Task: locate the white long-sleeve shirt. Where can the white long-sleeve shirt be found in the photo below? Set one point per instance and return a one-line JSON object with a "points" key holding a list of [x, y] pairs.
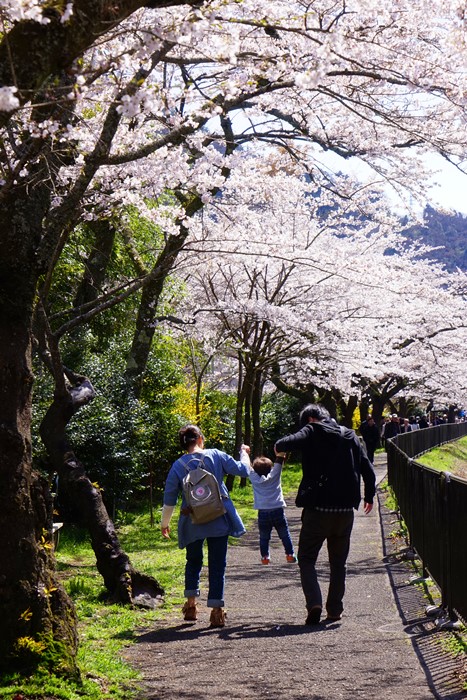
{"points": [[267, 490]]}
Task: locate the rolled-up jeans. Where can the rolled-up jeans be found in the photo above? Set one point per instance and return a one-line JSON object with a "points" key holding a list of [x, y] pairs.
{"points": [[335, 528], [217, 562]]}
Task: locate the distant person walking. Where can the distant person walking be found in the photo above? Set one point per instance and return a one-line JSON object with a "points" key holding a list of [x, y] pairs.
{"points": [[333, 462], [370, 436], [391, 429], [269, 501], [424, 422], [405, 426]]}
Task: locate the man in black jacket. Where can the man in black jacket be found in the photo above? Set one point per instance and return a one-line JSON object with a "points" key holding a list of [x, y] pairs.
{"points": [[370, 436], [392, 428], [333, 463]]}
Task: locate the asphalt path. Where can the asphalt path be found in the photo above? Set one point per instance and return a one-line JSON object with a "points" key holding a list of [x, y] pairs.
{"points": [[385, 646]]}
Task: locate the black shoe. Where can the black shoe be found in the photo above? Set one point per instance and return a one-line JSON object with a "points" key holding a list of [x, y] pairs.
{"points": [[314, 616], [331, 618]]}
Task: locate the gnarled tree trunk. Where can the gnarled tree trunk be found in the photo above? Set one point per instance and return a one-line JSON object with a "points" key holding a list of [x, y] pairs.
{"points": [[123, 582], [35, 611]]}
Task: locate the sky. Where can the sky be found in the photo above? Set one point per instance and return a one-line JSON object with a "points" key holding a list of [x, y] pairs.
{"points": [[451, 192], [448, 189]]}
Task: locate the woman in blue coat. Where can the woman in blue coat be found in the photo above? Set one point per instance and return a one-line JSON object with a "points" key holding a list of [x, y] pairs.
{"points": [[191, 536]]}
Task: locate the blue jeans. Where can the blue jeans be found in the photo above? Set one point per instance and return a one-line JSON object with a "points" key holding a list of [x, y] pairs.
{"points": [[267, 519], [217, 561], [335, 528]]}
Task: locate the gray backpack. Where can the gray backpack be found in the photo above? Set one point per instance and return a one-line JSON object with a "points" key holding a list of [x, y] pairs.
{"points": [[202, 493]]}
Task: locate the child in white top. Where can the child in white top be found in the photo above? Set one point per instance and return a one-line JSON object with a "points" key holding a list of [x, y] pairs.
{"points": [[269, 501]]}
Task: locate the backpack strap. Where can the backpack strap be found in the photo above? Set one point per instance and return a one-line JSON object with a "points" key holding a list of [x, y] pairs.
{"points": [[193, 459]]}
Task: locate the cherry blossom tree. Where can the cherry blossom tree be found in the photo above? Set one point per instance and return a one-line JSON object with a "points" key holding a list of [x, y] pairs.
{"points": [[36, 67], [105, 105], [316, 304]]}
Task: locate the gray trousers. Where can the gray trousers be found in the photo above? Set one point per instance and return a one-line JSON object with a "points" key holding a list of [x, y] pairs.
{"points": [[335, 528]]}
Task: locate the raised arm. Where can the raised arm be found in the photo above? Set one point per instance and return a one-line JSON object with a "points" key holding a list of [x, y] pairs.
{"points": [[295, 441]]}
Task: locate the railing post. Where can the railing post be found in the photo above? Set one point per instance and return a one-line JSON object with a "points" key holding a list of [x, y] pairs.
{"points": [[447, 545], [445, 478]]}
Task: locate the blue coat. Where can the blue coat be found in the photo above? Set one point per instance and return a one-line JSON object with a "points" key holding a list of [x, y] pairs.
{"points": [[220, 464]]}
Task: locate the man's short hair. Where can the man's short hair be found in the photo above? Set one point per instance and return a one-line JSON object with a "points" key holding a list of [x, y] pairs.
{"points": [[313, 410]]}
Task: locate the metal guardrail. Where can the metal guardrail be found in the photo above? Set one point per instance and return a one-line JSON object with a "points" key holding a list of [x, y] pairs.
{"points": [[434, 508]]}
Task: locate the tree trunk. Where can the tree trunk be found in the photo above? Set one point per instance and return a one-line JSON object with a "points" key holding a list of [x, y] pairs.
{"points": [[239, 432], [380, 394], [403, 407], [34, 607], [364, 408], [124, 584], [147, 313], [346, 408], [247, 393], [239, 435], [326, 399], [256, 397], [97, 263], [378, 403]]}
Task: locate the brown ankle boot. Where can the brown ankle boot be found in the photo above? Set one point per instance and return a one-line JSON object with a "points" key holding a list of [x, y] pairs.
{"points": [[218, 616], [190, 612]]}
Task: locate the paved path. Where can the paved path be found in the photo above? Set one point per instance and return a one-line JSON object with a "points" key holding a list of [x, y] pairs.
{"points": [[384, 647]]}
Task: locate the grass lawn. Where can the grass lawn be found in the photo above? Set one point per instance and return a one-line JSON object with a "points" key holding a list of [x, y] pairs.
{"points": [[451, 457]]}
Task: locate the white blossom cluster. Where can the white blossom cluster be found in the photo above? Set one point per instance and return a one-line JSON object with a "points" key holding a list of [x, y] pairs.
{"points": [[233, 109], [317, 68], [326, 295], [18, 10], [8, 99]]}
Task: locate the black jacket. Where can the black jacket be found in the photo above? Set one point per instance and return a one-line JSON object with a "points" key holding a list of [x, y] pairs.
{"points": [[391, 429], [370, 434], [337, 455]]}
